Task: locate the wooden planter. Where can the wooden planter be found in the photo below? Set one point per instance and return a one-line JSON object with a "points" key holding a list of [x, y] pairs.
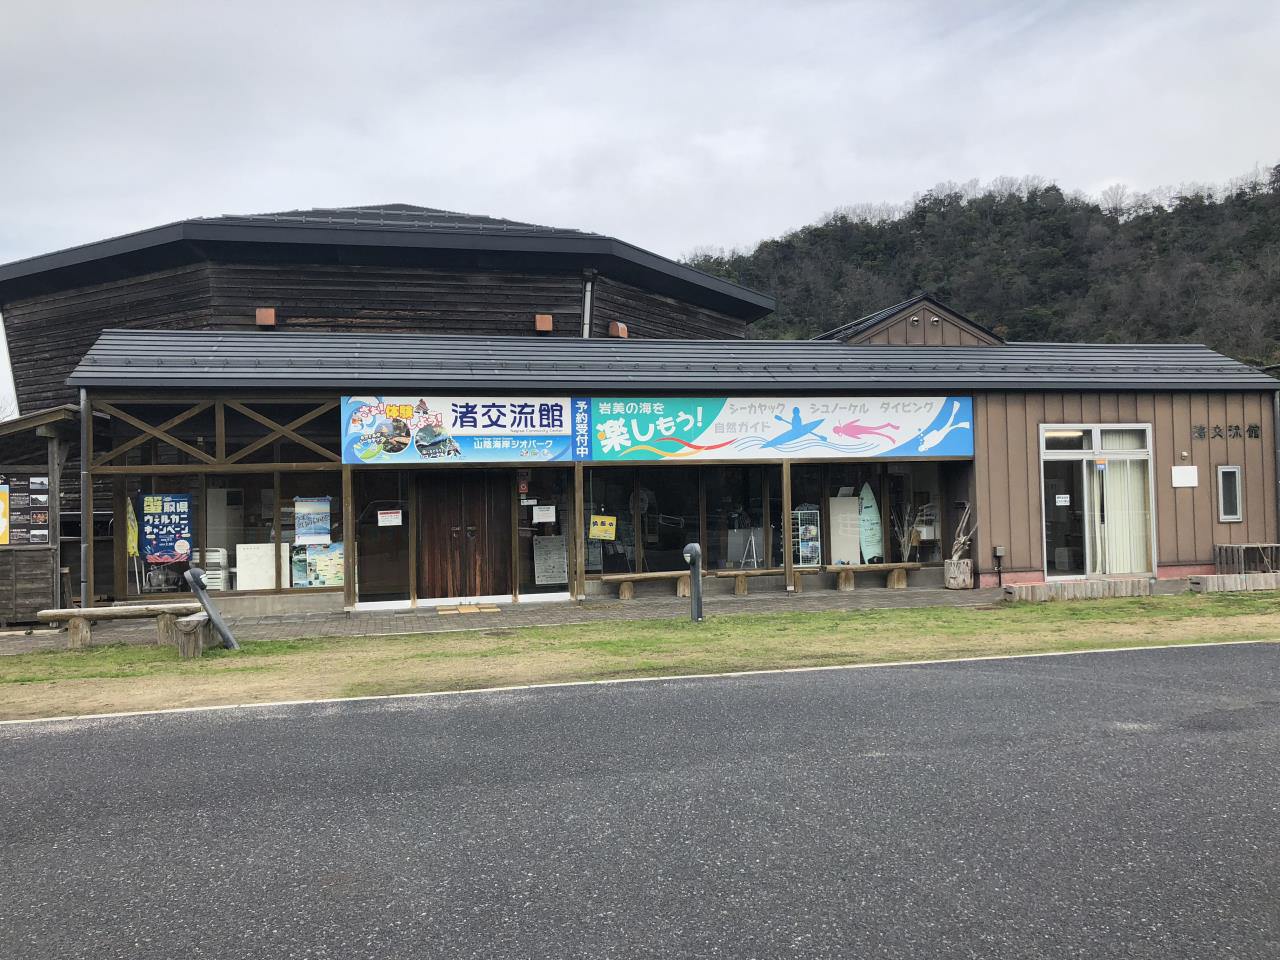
{"points": [[957, 574]]}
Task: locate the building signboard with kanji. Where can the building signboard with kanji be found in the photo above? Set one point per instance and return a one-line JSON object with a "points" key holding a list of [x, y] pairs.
{"points": [[416, 430], [421, 430]]}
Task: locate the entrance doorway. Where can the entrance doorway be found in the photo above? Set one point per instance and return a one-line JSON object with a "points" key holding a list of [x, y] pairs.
{"points": [[464, 533]]}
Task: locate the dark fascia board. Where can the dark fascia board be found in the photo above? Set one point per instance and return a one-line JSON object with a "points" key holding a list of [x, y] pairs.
{"points": [[749, 303]]}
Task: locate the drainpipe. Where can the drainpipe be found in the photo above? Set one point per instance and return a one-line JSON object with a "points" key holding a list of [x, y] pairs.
{"points": [[86, 498], [587, 285]]}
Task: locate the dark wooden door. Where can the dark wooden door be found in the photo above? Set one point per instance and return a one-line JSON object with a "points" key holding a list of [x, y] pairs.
{"points": [[464, 533]]}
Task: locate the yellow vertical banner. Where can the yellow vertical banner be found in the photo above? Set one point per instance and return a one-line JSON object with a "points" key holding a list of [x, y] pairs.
{"points": [[4, 514], [132, 526]]}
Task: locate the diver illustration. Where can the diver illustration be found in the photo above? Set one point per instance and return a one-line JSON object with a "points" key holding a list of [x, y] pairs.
{"points": [[935, 437], [856, 431], [798, 428]]}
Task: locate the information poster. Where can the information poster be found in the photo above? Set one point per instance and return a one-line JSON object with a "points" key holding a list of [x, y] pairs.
{"points": [[550, 560], [24, 510], [317, 565], [166, 527], [602, 527], [311, 520]]}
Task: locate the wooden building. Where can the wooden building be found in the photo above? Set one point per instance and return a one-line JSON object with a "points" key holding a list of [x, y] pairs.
{"points": [[398, 406]]}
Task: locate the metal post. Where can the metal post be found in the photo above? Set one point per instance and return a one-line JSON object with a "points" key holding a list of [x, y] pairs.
{"points": [[86, 499], [693, 557]]}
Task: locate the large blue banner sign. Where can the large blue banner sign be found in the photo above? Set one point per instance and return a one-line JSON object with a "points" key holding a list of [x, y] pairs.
{"points": [[628, 429], [410, 430]]}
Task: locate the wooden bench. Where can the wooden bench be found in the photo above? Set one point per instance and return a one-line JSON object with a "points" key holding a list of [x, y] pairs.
{"points": [[627, 581], [897, 574], [896, 579], [194, 635], [79, 620], [740, 577]]}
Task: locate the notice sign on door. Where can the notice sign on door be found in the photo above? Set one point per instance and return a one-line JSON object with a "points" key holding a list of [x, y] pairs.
{"points": [[390, 518], [1062, 499], [603, 528]]}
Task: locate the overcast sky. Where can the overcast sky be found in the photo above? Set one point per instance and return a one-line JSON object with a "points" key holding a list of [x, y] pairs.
{"points": [[672, 125]]}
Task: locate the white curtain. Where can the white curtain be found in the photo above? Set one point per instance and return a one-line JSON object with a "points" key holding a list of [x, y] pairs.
{"points": [[1120, 513]]}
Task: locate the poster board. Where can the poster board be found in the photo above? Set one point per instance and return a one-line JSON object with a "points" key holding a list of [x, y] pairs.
{"points": [[846, 528], [166, 527], [317, 565], [311, 520], [550, 560], [24, 510]]}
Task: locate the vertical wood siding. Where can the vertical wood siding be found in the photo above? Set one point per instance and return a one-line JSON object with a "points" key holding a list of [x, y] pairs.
{"points": [[1007, 468]]}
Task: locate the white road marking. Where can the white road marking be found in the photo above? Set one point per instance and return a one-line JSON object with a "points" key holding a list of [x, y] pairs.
{"points": [[620, 680]]}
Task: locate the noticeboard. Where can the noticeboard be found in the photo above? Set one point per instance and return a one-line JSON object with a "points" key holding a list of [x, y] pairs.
{"points": [[24, 510]]}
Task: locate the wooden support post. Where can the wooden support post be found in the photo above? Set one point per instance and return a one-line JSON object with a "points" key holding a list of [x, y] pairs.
{"points": [[897, 579], [788, 568], [120, 539], [515, 535], [58, 448], [844, 581], [86, 502], [739, 586], [684, 585], [577, 533], [766, 505], [626, 590], [348, 538], [277, 532]]}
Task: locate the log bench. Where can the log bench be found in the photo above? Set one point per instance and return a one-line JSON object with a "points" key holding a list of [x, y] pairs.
{"points": [[627, 581], [740, 577], [79, 620], [896, 580], [194, 634]]}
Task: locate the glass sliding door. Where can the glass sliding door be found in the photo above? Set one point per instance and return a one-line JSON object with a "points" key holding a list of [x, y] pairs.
{"points": [[1097, 500]]}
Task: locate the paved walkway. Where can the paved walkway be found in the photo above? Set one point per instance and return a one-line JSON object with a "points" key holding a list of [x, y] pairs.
{"points": [[385, 623]]}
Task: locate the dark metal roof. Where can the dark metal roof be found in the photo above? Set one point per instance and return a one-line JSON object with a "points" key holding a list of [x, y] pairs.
{"points": [[363, 363], [863, 324], [401, 225]]}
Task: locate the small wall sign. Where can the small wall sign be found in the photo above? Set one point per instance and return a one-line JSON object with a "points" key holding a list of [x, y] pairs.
{"points": [[390, 518], [1186, 476], [546, 513], [603, 528]]}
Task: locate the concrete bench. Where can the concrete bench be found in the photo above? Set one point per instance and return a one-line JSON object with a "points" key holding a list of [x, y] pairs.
{"points": [[627, 581], [79, 620]]}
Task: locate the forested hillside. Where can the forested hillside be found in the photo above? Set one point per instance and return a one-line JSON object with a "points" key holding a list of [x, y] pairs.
{"points": [[1034, 263]]}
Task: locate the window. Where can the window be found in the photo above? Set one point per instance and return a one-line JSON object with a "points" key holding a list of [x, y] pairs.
{"points": [[1229, 509]]}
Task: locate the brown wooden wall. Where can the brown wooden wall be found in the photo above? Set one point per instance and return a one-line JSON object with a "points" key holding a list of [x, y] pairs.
{"points": [[48, 334], [654, 316], [949, 331], [1007, 468]]}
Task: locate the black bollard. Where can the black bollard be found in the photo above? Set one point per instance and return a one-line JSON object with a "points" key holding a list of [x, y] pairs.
{"points": [[693, 557]]}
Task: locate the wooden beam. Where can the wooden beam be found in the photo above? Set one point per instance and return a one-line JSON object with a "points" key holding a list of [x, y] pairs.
{"points": [[280, 430], [577, 533], [144, 437], [157, 432], [57, 458], [86, 501], [277, 529], [348, 538], [220, 430], [788, 566], [119, 540], [162, 469]]}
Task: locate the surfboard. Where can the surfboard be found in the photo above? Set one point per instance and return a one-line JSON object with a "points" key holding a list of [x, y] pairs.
{"points": [[871, 537]]}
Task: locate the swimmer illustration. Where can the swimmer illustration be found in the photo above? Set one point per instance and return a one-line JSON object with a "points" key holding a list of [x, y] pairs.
{"points": [[799, 427], [856, 431], [935, 437]]}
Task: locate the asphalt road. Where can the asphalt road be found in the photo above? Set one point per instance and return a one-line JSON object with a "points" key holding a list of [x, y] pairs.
{"points": [[1105, 805]]}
